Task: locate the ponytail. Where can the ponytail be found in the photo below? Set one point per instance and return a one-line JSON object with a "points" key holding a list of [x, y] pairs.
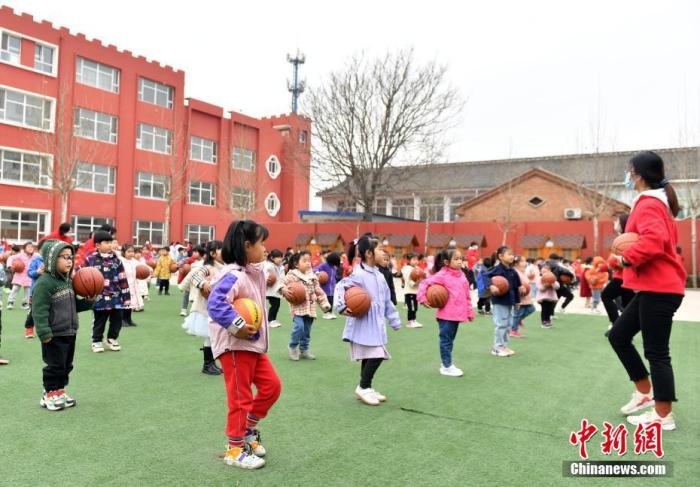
{"points": [[442, 256], [672, 199], [360, 247], [496, 256], [238, 233]]}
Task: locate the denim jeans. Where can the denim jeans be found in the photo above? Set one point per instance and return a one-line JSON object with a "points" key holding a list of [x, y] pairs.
{"points": [[596, 297], [448, 332], [301, 332], [520, 313], [502, 316]]}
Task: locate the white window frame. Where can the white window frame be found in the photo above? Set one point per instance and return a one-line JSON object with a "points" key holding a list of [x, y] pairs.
{"points": [[202, 187], [44, 175], [146, 85], [44, 120], [276, 168], [239, 192], [156, 134], [199, 230], [198, 146], [273, 205], [88, 171], [40, 232], [150, 227], [40, 63], [18, 64], [101, 70], [97, 119], [7, 53], [401, 208], [436, 205], [152, 179], [91, 227], [243, 159]]}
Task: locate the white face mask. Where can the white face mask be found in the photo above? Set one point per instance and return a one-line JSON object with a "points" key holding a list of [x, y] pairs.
{"points": [[618, 227]]}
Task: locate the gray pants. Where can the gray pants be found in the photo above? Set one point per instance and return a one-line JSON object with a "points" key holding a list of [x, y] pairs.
{"points": [[15, 291], [502, 318]]}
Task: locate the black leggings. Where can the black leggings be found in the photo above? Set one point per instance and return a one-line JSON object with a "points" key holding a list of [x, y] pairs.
{"points": [[412, 304], [368, 368], [547, 310], [652, 314], [566, 293], [163, 285], [274, 308], [484, 303], [29, 321], [613, 291]]}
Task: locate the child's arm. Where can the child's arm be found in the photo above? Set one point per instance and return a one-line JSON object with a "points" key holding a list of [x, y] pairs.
{"points": [[34, 268], [392, 314], [339, 294], [156, 271], [124, 292], [221, 311], [321, 298], [84, 305], [187, 282], [423, 287], [41, 301]]}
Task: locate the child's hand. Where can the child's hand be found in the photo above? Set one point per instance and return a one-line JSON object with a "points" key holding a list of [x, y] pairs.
{"points": [[285, 292], [246, 332], [522, 290], [41, 269], [494, 290], [327, 308], [46, 341], [427, 305], [347, 312]]}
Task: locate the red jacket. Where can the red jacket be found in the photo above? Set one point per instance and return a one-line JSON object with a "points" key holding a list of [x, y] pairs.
{"points": [[654, 263]]}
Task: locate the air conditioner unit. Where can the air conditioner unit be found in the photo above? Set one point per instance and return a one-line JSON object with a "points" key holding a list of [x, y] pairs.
{"points": [[572, 213]]}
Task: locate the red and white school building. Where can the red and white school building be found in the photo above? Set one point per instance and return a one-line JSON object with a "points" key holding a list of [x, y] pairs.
{"points": [[137, 145]]}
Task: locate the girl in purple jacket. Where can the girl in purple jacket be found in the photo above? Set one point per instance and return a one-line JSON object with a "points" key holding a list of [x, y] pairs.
{"points": [[367, 334], [330, 267]]}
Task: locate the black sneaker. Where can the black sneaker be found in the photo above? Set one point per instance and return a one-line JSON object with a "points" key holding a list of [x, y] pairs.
{"points": [[210, 368]]}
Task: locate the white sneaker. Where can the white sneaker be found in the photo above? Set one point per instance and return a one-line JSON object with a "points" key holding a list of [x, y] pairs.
{"points": [[183, 312], [113, 345], [411, 324], [499, 352], [328, 316], [645, 419], [366, 396], [380, 397], [275, 324], [97, 347], [294, 354], [595, 311], [10, 305], [451, 371], [637, 402], [243, 458], [417, 325]]}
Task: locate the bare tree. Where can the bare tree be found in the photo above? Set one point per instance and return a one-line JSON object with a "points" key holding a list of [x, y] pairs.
{"points": [[377, 114]]}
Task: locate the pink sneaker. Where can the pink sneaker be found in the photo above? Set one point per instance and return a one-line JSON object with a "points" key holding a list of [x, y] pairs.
{"points": [[516, 333]]}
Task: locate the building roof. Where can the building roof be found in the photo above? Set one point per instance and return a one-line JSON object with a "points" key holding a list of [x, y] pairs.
{"points": [[465, 239], [328, 238], [532, 241], [303, 239], [569, 241], [402, 240], [438, 239]]}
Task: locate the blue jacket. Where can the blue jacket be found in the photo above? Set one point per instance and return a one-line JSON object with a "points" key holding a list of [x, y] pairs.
{"points": [[512, 296], [33, 270], [332, 271], [482, 281]]}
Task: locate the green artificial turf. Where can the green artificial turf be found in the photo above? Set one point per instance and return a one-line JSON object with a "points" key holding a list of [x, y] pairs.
{"points": [[148, 416]]}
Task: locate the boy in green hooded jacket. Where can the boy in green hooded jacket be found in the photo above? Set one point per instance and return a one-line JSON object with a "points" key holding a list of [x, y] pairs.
{"points": [[55, 312]]}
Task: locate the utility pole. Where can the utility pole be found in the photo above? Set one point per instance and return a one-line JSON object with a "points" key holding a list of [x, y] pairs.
{"points": [[296, 86]]}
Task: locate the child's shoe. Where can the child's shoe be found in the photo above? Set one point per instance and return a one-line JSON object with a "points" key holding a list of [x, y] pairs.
{"points": [[254, 441], [546, 325], [113, 345], [516, 334], [10, 305], [509, 351], [328, 316], [607, 332], [451, 371], [275, 324], [29, 333], [25, 306], [243, 457], [380, 397], [52, 400], [417, 325], [637, 402], [306, 355], [67, 400], [293, 353], [97, 347], [366, 396], [499, 352], [668, 423], [183, 312]]}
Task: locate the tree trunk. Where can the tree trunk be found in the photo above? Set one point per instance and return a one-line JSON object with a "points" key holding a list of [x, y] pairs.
{"points": [[166, 225], [64, 206], [694, 247], [596, 231], [504, 240]]}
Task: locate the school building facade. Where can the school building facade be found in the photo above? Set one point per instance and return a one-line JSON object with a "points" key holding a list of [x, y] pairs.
{"points": [[90, 134]]}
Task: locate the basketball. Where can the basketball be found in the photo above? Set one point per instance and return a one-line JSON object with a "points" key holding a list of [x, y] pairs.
{"points": [[205, 291], [548, 279], [3, 257], [603, 267], [358, 301], [18, 266], [151, 264], [417, 274], [501, 283], [437, 296], [297, 292], [271, 279], [185, 269], [322, 277], [88, 282], [613, 263], [565, 278], [531, 275], [143, 271], [173, 267], [594, 281], [623, 242], [526, 290], [249, 311]]}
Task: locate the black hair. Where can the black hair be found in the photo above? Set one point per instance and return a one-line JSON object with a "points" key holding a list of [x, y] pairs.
{"points": [[200, 250], [518, 259], [554, 256], [294, 260], [126, 247], [488, 262], [410, 255], [500, 251], [366, 243], [238, 233], [650, 167], [102, 236], [15, 248], [442, 256], [64, 228], [24, 245], [333, 259], [274, 254], [106, 227], [622, 218], [212, 247], [472, 243], [530, 260]]}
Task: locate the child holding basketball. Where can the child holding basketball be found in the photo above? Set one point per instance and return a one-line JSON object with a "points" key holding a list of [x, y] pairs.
{"points": [[411, 290], [448, 273], [330, 267], [502, 303], [162, 271], [483, 305], [525, 307], [303, 314], [597, 278], [274, 267], [136, 302], [547, 297], [367, 334], [241, 349], [21, 279]]}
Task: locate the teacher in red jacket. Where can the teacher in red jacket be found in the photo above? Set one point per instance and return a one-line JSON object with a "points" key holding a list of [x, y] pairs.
{"points": [[651, 268]]}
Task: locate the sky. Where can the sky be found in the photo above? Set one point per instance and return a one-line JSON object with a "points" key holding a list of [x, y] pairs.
{"points": [[539, 77]]}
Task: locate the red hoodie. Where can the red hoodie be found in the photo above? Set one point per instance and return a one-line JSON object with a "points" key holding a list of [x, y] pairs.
{"points": [[654, 264]]}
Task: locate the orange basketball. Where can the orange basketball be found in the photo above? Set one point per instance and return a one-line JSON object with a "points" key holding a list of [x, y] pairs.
{"points": [[88, 282], [548, 279], [322, 277], [357, 300], [526, 289], [143, 272], [3, 257], [565, 278], [437, 296], [185, 269], [205, 291], [151, 264], [623, 242], [249, 311], [531, 275], [297, 292], [613, 263], [271, 279], [417, 274], [501, 283], [18, 266], [173, 267], [603, 267]]}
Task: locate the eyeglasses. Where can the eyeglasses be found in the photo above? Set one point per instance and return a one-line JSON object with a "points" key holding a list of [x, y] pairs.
{"points": [[66, 257]]}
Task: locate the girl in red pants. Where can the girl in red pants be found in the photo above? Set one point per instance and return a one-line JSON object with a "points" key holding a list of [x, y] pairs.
{"points": [[241, 349]]}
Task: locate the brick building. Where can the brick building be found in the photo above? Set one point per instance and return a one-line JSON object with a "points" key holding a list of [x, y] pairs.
{"points": [[91, 134]]}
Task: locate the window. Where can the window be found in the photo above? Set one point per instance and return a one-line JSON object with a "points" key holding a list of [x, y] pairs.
{"points": [[146, 231], [10, 48], [95, 125], [199, 234], [243, 159], [24, 168], [273, 166], [202, 193], [272, 204], [403, 208], [202, 149], [98, 75], [536, 201], [152, 138], [242, 199], [95, 177], [345, 206], [568, 254], [26, 110], [456, 202], [150, 185], [155, 93], [302, 137], [432, 209], [379, 206], [43, 58], [83, 226], [22, 225]]}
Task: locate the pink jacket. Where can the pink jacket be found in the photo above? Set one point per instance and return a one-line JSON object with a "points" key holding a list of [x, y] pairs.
{"points": [[21, 278], [314, 293], [459, 303], [527, 299], [547, 293]]}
